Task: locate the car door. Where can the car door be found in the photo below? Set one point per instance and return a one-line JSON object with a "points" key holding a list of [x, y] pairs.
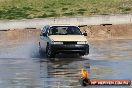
{"points": [[44, 38]]}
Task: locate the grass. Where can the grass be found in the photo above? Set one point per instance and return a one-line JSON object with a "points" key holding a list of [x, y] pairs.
{"points": [[19, 9]]}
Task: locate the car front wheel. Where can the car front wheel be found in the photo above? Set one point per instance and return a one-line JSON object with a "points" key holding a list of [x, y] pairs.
{"points": [[81, 54], [49, 52]]}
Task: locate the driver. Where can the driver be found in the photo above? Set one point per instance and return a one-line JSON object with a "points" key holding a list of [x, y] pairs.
{"points": [[54, 31]]}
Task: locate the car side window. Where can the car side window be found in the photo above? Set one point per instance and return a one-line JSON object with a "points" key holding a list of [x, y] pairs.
{"points": [[44, 30]]}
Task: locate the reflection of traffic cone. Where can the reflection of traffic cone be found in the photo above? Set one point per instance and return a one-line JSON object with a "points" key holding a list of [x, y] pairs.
{"points": [[84, 79]]}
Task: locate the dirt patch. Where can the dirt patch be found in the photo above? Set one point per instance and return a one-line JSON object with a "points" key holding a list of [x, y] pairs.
{"points": [[122, 31], [95, 32], [18, 36]]}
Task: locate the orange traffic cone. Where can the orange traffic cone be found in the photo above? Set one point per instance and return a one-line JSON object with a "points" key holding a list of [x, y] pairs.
{"points": [[84, 74]]}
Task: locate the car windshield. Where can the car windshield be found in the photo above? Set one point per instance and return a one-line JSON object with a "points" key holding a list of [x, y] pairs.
{"points": [[64, 30]]}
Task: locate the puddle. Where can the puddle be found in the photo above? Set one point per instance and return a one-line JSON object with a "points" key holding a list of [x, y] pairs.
{"points": [[22, 67]]}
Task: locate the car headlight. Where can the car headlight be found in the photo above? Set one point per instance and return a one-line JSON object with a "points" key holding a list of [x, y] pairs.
{"points": [[57, 42], [82, 42]]}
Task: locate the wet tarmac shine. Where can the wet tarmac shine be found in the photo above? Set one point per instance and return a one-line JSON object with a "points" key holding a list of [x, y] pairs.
{"points": [[21, 66]]}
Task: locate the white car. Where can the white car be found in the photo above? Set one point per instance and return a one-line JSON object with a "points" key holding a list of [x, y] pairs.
{"points": [[62, 39]]}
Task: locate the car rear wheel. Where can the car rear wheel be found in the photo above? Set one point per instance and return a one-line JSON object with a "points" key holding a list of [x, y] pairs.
{"points": [[49, 52], [40, 49]]}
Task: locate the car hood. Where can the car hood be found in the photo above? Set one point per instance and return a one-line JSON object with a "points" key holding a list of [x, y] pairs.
{"points": [[68, 37]]}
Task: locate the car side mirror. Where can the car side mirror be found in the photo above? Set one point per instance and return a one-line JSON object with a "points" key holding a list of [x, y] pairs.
{"points": [[44, 34], [85, 34]]}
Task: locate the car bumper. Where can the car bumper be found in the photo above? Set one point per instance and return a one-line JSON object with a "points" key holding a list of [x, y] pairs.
{"points": [[76, 48]]}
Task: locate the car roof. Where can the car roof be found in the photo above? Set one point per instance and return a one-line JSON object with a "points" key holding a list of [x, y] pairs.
{"points": [[60, 25]]}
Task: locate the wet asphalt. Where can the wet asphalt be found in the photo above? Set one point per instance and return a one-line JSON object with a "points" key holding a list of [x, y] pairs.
{"points": [[21, 66]]}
